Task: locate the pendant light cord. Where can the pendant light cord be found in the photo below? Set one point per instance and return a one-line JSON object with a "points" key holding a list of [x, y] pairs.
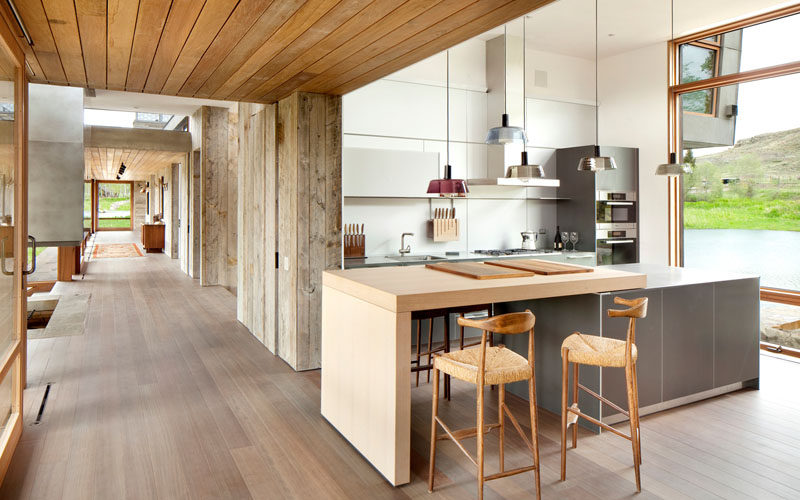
{"points": [[524, 81], [596, 80], [447, 90], [505, 69]]}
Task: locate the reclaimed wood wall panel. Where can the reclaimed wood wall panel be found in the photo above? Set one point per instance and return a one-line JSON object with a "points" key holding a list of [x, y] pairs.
{"points": [[250, 50], [309, 219], [256, 293]]}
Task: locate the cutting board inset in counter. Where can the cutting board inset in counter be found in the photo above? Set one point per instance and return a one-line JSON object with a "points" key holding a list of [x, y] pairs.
{"points": [[539, 266], [479, 270]]}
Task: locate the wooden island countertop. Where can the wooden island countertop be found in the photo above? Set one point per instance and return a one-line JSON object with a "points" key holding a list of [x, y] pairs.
{"points": [[413, 288], [366, 343]]}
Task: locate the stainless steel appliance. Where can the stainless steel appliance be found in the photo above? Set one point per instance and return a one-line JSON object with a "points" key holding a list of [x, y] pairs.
{"points": [[616, 244], [615, 207]]}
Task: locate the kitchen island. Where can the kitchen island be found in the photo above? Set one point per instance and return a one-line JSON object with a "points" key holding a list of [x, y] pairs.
{"points": [[699, 339], [366, 343]]}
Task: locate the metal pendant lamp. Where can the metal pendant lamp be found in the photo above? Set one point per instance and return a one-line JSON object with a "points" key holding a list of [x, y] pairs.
{"points": [[448, 186], [673, 168], [596, 162], [524, 170], [505, 133]]}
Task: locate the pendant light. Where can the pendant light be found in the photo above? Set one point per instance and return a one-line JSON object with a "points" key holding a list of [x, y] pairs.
{"points": [[505, 134], [596, 162], [448, 186], [673, 168], [524, 170]]}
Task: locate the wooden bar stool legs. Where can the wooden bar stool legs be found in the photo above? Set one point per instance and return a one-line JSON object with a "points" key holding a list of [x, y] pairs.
{"points": [[489, 366], [417, 365], [609, 353]]}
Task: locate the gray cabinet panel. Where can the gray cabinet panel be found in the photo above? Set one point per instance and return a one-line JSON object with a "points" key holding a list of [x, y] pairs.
{"points": [[736, 331], [648, 342], [625, 176], [556, 319], [688, 342]]}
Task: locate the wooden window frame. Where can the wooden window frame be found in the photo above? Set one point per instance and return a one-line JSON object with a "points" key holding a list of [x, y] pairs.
{"points": [[674, 185], [95, 208], [716, 47]]}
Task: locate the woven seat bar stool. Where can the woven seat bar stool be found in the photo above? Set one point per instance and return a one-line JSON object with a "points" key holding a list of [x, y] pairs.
{"points": [[461, 311], [417, 363], [489, 365], [607, 353]]}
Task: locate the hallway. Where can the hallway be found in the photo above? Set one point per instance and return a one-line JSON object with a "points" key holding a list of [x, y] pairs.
{"points": [[166, 395]]}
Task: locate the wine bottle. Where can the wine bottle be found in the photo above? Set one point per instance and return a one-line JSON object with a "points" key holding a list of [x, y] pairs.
{"points": [[558, 244]]}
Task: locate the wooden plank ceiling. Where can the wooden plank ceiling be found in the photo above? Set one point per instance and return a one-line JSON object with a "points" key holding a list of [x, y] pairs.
{"points": [[104, 163], [243, 50]]}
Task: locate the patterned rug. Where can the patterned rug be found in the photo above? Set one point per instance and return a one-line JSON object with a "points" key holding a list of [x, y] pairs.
{"points": [[116, 251]]}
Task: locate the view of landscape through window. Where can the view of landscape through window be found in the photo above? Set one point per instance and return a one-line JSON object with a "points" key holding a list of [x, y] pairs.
{"points": [[113, 205], [742, 199]]}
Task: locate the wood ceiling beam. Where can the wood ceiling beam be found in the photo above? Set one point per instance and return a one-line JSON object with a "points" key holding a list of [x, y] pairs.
{"points": [[182, 18]]}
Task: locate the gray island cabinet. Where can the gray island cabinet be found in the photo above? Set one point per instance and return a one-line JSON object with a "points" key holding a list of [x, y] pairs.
{"points": [[700, 339]]}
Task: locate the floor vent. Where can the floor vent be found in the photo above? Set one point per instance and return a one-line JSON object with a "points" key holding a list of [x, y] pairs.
{"points": [[44, 403]]}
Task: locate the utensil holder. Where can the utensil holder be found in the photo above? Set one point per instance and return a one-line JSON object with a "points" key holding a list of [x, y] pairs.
{"points": [[444, 229]]}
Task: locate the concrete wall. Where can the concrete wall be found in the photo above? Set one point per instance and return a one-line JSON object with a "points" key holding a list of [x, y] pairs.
{"points": [[55, 164], [139, 205]]}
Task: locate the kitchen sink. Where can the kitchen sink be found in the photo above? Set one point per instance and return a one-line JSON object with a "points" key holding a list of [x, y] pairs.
{"points": [[413, 258]]}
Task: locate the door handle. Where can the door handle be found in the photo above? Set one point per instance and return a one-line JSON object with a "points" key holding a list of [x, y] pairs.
{"points": [[617, 242], [33, 260], [3, 258]]}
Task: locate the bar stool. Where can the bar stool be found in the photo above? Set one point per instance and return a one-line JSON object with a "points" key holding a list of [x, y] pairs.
{"points": [[417, 366], [431, 315], [482, 366], [608, 353]]}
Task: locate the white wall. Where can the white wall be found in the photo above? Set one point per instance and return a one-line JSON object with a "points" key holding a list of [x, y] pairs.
{"points": [[633, 112], [407, 112]]}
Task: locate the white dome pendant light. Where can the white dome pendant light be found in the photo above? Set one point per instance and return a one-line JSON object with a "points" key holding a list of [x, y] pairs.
{"points": [[505, 134], [596, 163]]}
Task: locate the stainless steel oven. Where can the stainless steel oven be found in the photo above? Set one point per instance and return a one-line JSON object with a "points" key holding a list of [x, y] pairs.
{"points": [[616, 207], [616, 244]]}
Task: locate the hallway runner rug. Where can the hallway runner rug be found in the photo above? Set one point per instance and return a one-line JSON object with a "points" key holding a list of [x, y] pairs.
{"points": [[116, 250]]}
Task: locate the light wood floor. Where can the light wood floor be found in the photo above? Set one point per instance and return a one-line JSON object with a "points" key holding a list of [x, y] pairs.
{"points": [[167, 396]]}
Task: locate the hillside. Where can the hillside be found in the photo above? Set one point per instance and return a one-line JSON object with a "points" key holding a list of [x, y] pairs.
{"points": [[777, 152]]}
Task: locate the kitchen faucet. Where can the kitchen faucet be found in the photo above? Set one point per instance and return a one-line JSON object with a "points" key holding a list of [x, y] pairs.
{"points": [[404, 249]]}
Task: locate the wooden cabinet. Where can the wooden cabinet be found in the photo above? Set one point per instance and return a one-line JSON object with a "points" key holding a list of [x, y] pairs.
{"points": [[153, 237]]}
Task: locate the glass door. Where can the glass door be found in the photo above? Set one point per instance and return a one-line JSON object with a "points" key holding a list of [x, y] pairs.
{"points": [[13, 249]]}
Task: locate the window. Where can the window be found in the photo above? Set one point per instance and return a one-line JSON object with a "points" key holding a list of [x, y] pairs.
{"points": [[699, 61]]}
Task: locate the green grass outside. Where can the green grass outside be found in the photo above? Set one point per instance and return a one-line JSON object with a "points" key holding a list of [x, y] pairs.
{"points": [[743, 213], [120, 222], [105, 204]]}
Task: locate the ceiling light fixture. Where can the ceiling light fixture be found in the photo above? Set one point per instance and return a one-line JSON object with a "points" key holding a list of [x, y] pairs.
{"points": [[673, 168], [448, 186], [505, 134], [524, 170], [596, 162]]}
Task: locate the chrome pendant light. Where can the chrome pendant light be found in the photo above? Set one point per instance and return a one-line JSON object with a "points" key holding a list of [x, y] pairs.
{"points": [[505, 133], [448, 187], [524, 170], [596, 162], [673, 168]]}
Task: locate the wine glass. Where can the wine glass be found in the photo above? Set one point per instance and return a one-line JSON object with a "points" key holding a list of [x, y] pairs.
{"points": [[573, 238], [565, 239]]}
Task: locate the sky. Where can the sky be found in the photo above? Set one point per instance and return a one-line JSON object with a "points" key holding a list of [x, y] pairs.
{"points": [[774, 104]]}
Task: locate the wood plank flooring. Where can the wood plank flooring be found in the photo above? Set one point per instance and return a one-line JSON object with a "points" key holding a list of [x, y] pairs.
{"points": [[166, 395]]}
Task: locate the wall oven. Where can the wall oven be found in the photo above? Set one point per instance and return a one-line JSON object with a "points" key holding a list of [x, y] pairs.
{"points": [[616, 244], [616, 207]]}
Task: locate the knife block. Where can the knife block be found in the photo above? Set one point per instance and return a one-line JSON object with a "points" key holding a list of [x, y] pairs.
{"points": [[354, 245], [443, 230]]}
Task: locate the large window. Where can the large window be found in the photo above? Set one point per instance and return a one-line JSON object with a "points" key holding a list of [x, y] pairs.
{"points": [[737, 122]]}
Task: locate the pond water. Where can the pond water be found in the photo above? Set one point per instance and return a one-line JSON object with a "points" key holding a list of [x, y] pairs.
{"points": [[773, 255]]}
